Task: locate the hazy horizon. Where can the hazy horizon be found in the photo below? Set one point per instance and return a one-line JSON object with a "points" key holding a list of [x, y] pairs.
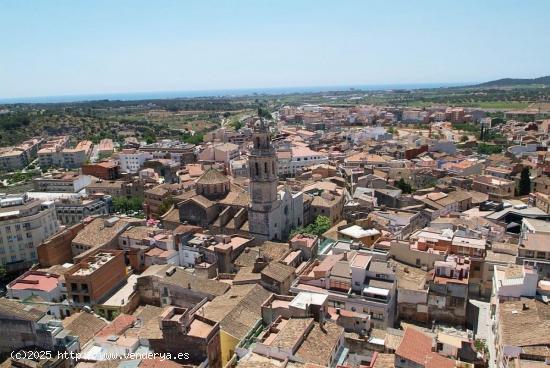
{"points": [[86, 48], [129, 96]]}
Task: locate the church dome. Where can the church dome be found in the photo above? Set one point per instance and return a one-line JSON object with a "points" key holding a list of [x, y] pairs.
{"points": [[212, 184]]}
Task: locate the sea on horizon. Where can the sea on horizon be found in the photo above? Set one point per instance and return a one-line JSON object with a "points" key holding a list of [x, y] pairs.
{"points": [[238, 92]]}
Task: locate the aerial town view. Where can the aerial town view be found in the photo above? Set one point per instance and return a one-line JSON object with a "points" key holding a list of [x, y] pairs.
{"points": [[274, 184]]}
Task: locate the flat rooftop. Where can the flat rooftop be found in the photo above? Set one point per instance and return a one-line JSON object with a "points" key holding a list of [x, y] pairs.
{"points": [[36, 281], [92, 264]]}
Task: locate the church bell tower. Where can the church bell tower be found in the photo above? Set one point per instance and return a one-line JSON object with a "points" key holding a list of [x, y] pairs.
{"points": [[262, 162]]}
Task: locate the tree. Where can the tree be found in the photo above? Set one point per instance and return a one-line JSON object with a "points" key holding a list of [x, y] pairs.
{"points": [[165, 205], [318, 227], [488, 149], [124, 205], [524, 182], [263, 113], [193, 139], [404, 186]]}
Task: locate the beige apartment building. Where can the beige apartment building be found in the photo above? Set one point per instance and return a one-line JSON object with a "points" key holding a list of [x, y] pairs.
{"points": [[24, 224]]}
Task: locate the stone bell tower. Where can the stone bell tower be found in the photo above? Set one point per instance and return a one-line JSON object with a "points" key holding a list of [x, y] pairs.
{"points": [[263, 212]]}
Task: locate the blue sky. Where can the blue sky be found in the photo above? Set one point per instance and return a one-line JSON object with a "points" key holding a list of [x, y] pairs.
{"points": [[64, 47]]}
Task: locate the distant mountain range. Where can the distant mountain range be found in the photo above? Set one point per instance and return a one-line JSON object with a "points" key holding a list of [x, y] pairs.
{"points": [[511, 82]]}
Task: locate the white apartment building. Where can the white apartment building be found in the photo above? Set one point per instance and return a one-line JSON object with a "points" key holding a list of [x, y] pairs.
{"points": [[131, 160], [299, 157], [24, 225], [69, 182]]}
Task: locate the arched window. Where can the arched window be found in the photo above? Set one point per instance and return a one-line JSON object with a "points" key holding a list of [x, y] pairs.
{"points": [[265, 168], [257, 168], [273, 167], [257, 142]]}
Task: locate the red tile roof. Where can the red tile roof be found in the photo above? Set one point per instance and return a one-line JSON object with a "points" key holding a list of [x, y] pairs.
{"points": [[415, 346]]}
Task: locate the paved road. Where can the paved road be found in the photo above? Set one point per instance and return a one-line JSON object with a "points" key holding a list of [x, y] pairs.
{"points": [[484, 329]]}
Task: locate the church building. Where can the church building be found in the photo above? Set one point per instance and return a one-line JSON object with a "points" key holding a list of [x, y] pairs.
{"points": [[264, 212]]}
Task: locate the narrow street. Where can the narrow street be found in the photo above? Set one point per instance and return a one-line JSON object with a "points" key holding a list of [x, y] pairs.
{"points": [[484, 329]]}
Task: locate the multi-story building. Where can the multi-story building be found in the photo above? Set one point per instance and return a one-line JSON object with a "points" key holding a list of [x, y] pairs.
{"points": [[184, 153], [100, 233], [49, 155], [534, 250], [541, 184], [49, 288], [415, 116], [327, 199], [221, 152], [119, 188], [418, 350], [131, 160], [455, 115], [448, 290], [498, 187], [187, 331], [73, 210], [77, 156], [363, 286], [106, 170], [542, 201], [521, 333], [57, 250], [106, 147], [36, 283], [95, 277], [54, 153], [511, 282], [156, 199], [297, 159], [16, 158], [70, 182], [28, 327], [281, 341], [24, 224]]}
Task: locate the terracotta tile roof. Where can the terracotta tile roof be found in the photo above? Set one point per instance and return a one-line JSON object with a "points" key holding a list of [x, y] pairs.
{"points": [[524, 322], [218, 308], [172, 216], [236, 197], [13, 308], [415, 346], [320, 344], [278, 271], [384, 361], [96, 233], [120, 324], [240, 320], [202, 201], [212, 176], [183, 279], [84, 325]]}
